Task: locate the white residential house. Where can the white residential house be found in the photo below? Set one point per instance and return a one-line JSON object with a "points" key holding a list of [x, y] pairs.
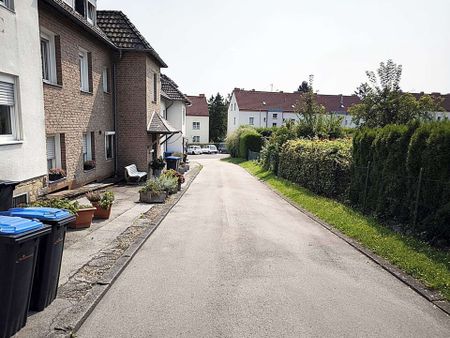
{"points": [[268, 109], [197, 122], [22, 126], [273, 109], [174, 108]]}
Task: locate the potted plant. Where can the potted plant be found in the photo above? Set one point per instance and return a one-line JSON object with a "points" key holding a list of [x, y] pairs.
{"points": [[56, 174], [88, 165], [157, 166], [85, 214], [102, 203], [169, 184], [152, 192], [178, 176]]}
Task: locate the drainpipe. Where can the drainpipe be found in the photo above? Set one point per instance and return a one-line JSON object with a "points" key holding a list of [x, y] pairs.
{"points": [[116, 143]]}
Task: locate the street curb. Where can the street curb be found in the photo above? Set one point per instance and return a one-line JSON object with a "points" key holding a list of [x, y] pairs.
{"points": [[432, 296], [78, 314]]}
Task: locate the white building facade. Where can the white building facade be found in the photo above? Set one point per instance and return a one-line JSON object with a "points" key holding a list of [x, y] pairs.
{"points": [[197, 120], [174, 108], [22, 126]]}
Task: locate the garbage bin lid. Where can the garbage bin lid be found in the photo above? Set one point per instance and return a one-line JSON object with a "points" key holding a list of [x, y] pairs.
{"points": [[17, 225], [173, 158], [42, 214]]}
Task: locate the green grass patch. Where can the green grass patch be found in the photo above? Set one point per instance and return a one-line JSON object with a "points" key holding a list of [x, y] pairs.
{"points": [[425, 263]]}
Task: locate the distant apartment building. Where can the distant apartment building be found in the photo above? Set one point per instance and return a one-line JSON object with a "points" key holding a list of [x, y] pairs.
{"points": [[173, 108], [22, 126], [273, 109], [197, 120]]}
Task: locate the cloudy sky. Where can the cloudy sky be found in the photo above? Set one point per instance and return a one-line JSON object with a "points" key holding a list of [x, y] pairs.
{"points": [[216, 45]]}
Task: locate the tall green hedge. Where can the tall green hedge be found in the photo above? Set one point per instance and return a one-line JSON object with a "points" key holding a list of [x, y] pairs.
{"points": [[249, 140], [397, 154], [321, 166]]}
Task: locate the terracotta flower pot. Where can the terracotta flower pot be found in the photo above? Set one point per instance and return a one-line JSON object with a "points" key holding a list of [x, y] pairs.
{"points": [[101, 213], [84, 219]]}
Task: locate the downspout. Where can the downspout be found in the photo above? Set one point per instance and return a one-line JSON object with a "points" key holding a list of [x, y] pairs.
{"points": [[114, 78]]}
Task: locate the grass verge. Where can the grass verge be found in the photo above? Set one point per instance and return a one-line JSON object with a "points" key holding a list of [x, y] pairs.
{"points": [[423, 262]]}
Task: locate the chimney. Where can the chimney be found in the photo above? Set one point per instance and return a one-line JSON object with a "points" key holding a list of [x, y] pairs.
{"points": [[201, 95], [253, 90]]}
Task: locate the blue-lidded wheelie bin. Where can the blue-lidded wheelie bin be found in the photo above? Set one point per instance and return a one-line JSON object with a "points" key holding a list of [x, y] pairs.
{"points": [[173, 162], [19, 246], [51, 247]]}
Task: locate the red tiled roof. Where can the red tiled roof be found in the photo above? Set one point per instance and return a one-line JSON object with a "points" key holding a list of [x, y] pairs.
{"points": [[446, 99], [264, 101], [199, 106]]}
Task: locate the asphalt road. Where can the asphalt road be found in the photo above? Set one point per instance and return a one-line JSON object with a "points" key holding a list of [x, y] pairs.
{"points": [[232, 259]]}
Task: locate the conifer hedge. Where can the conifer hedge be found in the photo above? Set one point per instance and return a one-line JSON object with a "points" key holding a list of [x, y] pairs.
{"points": [[391, 158]]}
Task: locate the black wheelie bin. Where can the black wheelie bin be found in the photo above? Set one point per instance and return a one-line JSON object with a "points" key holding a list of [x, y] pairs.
{"points": [[51, 247], [19, 246], [6, 194]]}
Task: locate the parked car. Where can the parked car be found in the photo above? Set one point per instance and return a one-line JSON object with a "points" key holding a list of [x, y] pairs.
{"points": [[222, 148], [210, 149], [194, 150]]}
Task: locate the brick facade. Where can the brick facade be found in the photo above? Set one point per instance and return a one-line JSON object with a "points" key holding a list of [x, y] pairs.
{"points": [[135, 105], [70, 112]]}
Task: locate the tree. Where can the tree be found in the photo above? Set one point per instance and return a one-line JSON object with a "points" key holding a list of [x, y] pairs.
{"points": [[313, 118], [383, 102], [304, 87], [218, 108]]}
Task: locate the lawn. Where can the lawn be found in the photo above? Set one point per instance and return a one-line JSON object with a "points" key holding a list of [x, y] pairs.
{"points": [[425, 263]]}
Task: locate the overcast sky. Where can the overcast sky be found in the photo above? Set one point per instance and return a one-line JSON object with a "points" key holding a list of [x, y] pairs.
{"points": [[216, 45]]}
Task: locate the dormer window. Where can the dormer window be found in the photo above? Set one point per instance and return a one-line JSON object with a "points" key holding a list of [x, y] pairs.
{"points": [[91, 13], [88, 9]]}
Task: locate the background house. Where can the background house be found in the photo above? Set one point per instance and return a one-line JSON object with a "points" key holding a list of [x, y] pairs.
{"points": [[273, 109], [173, 108], [76, 71], [197, 120], [22, 127]]}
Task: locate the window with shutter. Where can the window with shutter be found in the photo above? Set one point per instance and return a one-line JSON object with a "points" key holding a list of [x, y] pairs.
{"points": [[7, 110], [51, 152]]}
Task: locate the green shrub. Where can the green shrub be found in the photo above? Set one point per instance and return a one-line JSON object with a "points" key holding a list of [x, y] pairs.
{"points": [[249, 140], [397, 154], [232, 141], [58, 203], [321, 166]]}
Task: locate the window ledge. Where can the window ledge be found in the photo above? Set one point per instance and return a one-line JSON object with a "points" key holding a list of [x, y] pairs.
{"points": [[90, 170], [86, 92], [8, 143], [57, 181], [51, 84]]}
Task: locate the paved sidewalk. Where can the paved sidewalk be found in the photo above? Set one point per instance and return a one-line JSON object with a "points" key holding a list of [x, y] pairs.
{"points": [[233, 259], [82, 245]]}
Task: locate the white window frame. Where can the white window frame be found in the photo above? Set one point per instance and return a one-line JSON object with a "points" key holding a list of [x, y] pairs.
{"points": [[51, 57], [105, 80], [93, 19], [83, 63], [195, 125], [57, 158], [196, 139], [87, 147], [13, 113], [110, 134], [251, 121], [27, 195]]}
